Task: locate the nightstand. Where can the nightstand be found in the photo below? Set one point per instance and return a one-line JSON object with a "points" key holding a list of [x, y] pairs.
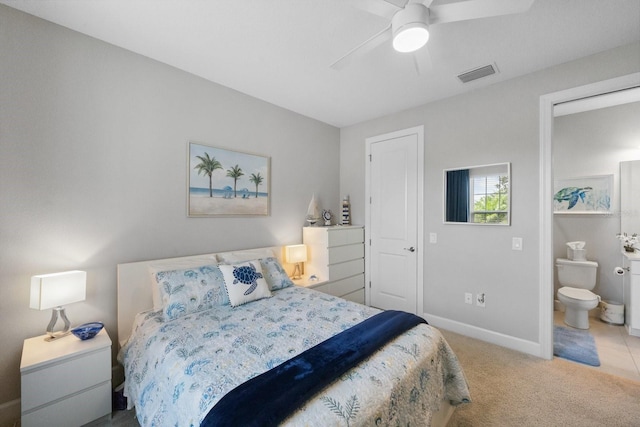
{"points": [[66, 382]]}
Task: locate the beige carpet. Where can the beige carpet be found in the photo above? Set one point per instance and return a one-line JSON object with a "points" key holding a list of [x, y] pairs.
{"points": [[509, 388]]}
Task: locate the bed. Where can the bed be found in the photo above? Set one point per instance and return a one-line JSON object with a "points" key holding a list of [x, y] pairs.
{"points": [[191, 334]]}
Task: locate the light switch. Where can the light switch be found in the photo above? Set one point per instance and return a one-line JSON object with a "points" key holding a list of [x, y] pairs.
{"points": [[516, 243], [433, 238]]}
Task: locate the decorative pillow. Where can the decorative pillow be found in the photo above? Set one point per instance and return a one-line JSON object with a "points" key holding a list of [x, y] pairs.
{"points": [[175, 264], [243, 256], [244, 282], [274, 274], [190, 290]]}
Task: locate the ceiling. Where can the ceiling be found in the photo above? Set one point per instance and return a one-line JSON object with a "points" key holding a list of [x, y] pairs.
{"points": [[280, 51]]}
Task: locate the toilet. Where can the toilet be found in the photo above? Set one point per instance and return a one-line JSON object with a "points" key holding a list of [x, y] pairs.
{"points": [[577, 279]]}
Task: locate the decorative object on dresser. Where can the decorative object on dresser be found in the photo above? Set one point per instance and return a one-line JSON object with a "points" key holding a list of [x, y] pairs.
{"points": [[66, 382], [346, 211], [336, 257], [313, 212], [87, 331], [296, 254], [327, 216], [55, 290]]}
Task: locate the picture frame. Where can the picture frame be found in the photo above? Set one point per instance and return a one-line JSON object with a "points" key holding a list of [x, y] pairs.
{"points": [[223, 182], [583, 195]]}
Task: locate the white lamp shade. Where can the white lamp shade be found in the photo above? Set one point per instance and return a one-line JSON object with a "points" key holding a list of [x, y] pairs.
{"points": [[296, 253], [57, 289]]}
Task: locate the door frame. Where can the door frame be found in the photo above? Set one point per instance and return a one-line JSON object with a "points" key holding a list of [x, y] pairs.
{"points": [[419, 131], [545, 250]]}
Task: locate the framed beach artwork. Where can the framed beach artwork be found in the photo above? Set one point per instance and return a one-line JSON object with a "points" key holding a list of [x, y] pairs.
{"points": [[224, 182], [584, 195]]}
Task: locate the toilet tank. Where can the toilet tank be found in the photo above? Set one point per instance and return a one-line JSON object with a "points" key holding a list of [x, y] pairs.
{"points": [[577, 274]]}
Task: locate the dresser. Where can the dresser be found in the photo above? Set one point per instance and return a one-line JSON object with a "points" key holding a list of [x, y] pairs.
{"points": [[631, 284], [66, 382], [336, 258]]}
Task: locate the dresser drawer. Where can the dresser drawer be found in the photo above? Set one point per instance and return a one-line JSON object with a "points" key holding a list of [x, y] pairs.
{"points": [[346, 269], [345, 253], [74, 411], [41, 386], [348, 285], [345, 236], [357, 296]]}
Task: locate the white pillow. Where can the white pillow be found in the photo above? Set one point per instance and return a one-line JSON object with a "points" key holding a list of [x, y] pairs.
{"points": [[242, 256], [244, 282], [176, 264]]}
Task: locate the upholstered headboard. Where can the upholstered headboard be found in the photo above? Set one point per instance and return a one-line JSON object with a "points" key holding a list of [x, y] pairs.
{"points": [[134, 282]]}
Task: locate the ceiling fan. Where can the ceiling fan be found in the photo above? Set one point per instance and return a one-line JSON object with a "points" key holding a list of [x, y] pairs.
{"points": [[410, 20]]}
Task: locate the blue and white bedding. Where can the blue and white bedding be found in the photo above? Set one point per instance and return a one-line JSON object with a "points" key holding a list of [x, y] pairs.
{"points": [[178, 369]]}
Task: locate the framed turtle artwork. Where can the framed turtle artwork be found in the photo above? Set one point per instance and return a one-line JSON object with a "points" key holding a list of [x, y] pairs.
{"points": [[583, 195]]}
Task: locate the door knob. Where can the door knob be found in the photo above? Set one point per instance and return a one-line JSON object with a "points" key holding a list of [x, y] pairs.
{"points": [[411, 249]]}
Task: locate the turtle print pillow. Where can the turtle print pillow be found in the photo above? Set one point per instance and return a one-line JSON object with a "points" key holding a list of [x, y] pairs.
{"points": [[244, 282]]}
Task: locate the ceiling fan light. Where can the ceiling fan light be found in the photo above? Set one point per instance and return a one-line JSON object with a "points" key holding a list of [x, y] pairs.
{"points": [[409, 27], [410, 39]]}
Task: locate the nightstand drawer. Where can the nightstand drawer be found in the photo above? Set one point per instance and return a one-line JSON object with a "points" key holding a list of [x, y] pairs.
{"points": [[74, 411], [69, 376]]}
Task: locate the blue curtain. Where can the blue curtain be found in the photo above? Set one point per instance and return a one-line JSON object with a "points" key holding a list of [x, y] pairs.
{"points": [[457, 209]]}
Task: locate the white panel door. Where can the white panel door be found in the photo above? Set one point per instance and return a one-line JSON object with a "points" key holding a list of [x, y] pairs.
{"points": [[393, 222]]}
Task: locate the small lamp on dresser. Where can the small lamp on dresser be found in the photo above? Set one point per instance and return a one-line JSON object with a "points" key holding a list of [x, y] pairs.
{"points": [[296, 254], [55, 290]]}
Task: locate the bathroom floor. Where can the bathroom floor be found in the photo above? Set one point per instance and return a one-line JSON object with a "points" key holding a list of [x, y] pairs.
{"points": [[619, 352]]}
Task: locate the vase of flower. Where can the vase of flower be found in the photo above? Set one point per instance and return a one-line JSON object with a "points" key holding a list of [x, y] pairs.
{"points": [[628, 241]]}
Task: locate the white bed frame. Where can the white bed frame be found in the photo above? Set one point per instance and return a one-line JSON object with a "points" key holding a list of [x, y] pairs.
{"points": [[134, 296], [134, 288]]}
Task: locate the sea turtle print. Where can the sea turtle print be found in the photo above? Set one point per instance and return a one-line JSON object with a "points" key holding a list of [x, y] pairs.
{"points": [[571, 194], [247, 275]]}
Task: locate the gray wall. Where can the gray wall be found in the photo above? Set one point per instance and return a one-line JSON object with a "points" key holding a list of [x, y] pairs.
{"points": [[594, 143], [499, 123], [93, 159]]}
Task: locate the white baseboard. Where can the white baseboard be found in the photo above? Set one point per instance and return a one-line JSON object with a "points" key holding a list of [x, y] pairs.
{"points": [[10, 413], [492, 337]]}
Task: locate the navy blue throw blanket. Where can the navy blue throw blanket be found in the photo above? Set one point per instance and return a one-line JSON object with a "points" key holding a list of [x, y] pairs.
{"points": [[269, 398]]}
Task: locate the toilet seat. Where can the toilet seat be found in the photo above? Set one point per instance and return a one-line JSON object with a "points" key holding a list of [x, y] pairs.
{"points": [[577, 294]]}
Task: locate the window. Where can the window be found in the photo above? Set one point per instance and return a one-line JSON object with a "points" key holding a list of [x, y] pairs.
{"points": [[489, 196]]}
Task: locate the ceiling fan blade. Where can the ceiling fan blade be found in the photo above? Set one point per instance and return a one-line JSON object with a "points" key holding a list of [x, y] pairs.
{"points": [[383, 8], [363, 48], [474, 9]]}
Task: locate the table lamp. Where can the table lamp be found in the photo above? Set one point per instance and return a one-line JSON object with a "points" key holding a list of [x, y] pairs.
{"points": [[296, 254], [55, 290]]}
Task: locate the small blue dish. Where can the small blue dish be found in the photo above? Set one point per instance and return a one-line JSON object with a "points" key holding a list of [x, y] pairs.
{"points": [[87, 330]]}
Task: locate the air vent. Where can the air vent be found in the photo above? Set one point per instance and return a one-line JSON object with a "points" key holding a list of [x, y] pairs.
{"points": [[477, 73]]}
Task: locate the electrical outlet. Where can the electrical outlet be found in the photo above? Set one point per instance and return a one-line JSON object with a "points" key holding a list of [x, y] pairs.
{"points": [[468, 298], [480, 300]]}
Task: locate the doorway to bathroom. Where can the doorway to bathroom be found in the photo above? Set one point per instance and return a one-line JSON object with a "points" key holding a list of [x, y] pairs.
{"points": [[550, 105]]}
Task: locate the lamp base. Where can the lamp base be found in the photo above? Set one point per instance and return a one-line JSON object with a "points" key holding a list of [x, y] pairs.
{"points": [[297, 274], [55, 313]]}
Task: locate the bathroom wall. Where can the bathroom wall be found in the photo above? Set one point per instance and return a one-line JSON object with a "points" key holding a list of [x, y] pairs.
{"points": [[594, 143]]}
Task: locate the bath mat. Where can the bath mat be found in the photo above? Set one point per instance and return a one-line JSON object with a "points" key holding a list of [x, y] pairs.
{"points": [[576, 345]]}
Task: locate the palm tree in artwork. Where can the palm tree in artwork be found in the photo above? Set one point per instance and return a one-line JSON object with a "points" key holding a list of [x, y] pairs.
{"points": [[257, 180], [207, 166], [235, 173]]}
